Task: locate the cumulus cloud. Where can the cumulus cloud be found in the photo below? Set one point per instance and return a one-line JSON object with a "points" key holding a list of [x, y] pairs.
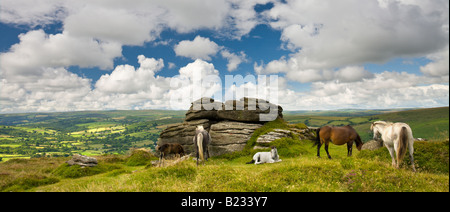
{"points": [[383, 90], [439, 67], [204, 48], [329, 43], [336, 34], [113, 25], [126, 87], [125, 79], [40, 12], [54, 90], [233, 59], [199, 48], [37, 49]]}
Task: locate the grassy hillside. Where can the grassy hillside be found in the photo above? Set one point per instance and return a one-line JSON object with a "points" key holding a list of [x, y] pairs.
{"points": [[300, 170]]}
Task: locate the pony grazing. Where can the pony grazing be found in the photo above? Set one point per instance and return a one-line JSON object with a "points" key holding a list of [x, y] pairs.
{"points": [[397, 137], [338, 136], [171, 148], [266, 157], [201, 141]]}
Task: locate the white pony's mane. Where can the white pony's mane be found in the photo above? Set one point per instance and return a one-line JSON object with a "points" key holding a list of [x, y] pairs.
{"points": [[382, 122]]}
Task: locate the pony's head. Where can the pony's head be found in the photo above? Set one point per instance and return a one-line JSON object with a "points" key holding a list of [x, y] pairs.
{"points": [[274, 153], [359, 143], [376, 128]]}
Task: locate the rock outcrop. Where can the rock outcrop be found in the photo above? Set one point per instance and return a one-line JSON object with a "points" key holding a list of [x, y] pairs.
{"points": [[82, 160], [274, 135], [230, 136], [372, 145], [230, 124]]}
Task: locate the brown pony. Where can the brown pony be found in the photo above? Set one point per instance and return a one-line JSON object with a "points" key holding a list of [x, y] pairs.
{"points": [[171, 148], [338, 136]]}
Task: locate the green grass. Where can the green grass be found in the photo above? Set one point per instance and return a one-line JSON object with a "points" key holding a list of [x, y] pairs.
{"points": [[304, 173], [299, 170]]}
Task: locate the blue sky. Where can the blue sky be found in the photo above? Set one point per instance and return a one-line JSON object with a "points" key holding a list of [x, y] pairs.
{"points": [[94, 55]]}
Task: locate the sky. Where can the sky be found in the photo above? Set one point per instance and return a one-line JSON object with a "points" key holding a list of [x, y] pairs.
{"points": [[76, 55]]}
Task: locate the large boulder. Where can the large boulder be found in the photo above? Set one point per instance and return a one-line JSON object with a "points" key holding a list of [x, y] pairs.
{"points": [[204, 108], [231, 124], [372, 145], [82, 160], [230, 136], [243, 110], [250, 110], [273, 135], [183, 133]]}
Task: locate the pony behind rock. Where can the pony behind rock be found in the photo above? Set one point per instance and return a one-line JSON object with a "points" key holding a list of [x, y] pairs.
{"points": [[201, 141], [266, 157], [170, 148]]}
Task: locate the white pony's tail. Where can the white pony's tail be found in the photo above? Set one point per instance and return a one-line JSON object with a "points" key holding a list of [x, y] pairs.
{"points": [[402, 145], [200, 146]]}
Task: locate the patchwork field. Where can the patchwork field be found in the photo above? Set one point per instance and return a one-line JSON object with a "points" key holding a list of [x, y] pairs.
{"points": [[34, 148]]}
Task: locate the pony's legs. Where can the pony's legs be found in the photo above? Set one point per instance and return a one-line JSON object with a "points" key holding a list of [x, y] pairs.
{"points": [[207, 153], [326, 149], [197, 156], [392, 152], [411, 157], [349, 148], [318, 149]]}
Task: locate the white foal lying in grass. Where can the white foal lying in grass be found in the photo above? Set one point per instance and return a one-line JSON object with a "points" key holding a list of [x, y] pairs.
{"points": [[266, 157]]}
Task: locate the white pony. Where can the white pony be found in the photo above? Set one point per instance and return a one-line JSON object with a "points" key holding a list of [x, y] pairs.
{"points": [[266, 157], [397, 137]]}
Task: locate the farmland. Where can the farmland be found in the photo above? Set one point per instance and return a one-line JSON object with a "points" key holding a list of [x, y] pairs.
{"points": [[33, 135], [299, 170], [88, 133], [44, 140]]}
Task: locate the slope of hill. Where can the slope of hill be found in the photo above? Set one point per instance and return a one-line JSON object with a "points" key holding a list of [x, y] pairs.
{"points": [[300, 170]]}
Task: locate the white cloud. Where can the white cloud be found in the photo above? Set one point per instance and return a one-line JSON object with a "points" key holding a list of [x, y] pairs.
{"points": [[54, 90], [330, 42], [204, 48], [125, 79], [37, 49], [439, 67], [233, 59], [352, 74], [335, 34], [38, 12], [384, 90], [127, 87], [199, 48], [126, 27]]}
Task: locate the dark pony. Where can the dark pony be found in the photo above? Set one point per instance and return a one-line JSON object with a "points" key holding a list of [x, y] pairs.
{"points": [[171, 148], [338, 136], [201, 141]]}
